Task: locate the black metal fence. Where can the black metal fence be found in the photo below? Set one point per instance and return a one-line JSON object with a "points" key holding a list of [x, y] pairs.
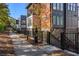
{"points": [[70, 41], [36, 35]]}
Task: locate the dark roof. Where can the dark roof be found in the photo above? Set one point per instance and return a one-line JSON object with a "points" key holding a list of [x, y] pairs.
{"points": [[29, 5]]}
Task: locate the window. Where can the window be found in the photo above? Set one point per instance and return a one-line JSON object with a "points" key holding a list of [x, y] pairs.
{"points": [[61, 6], [54, 20], [78, 13], [74, 6], [29, 12], [69, 6], [54, 5], [58, 20], [23, 21], [29, 22], [58, 6], [61, 20]]}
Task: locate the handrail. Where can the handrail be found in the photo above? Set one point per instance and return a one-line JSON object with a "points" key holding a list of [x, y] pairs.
{"points": [[54, 36], [68, 41]]}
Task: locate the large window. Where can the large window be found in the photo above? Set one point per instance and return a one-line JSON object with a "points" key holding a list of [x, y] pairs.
{"points": [[71, 6], [61, 20], [74, 7], [29, 22], [58, 6], [54, 5], [54, 20], [58, 20], [61, 6]]}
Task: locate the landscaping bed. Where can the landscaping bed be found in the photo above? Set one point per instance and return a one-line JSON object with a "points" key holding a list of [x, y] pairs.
{"points": [[22, 36], [6, 47], [30, 40]]}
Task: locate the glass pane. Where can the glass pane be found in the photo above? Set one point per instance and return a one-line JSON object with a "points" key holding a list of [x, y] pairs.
{"points": [[54, 20], [61, 20], [74, 7], [58, 20], [61, 6], [58, 6], [68, 7], [29, 22], [54, 5], [71, 7]]}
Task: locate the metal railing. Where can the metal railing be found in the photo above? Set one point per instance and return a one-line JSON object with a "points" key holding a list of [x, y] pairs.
{"points": [[70, 41]]}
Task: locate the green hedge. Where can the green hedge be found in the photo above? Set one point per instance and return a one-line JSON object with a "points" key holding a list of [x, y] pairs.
{"points": [[2, 27]]}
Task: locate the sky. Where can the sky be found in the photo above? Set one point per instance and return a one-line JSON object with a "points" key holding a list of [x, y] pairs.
{"points": [[17, 9]]}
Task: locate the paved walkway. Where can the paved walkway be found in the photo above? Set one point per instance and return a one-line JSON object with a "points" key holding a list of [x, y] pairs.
{"points": [[24, 48]]}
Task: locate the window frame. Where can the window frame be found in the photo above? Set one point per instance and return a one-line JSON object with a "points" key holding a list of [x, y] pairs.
{"points": [[61, 20], [74, 7], [61, 6], [54, 6], [58, 6], [69, 6], [54, 19], [58, 20]]}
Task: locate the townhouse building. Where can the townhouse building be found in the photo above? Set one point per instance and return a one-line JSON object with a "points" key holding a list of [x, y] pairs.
{"points": [[65, 19], [57, 18], [23, 23], [18, 25], [30, 24]]}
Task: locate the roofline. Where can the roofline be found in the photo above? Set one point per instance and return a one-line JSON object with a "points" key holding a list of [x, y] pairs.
{"points": [[28, 5]]}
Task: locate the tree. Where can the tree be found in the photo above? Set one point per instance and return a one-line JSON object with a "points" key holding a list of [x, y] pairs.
{"points": [[4, 15], [37, 9], [2, 25], [12, 21]]}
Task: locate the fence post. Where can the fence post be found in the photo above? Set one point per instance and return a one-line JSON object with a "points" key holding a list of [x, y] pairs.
{"points": [[36, 36], [48, 37], [76, 42], [27, 35], [41, 36], [62, 41]]}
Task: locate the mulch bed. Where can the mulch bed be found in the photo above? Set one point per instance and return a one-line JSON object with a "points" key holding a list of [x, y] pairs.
{"points": [[6, 47], [30, 40], [22, 36], [57, 53]]}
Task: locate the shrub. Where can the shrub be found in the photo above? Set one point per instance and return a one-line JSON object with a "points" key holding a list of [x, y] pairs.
{"points": [[2, 26]]}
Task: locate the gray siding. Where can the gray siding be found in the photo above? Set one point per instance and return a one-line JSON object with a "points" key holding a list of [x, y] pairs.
{"points": [[71, 25], [71, 21]]}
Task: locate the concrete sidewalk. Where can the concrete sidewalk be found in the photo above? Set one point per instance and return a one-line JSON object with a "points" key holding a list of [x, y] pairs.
{"points": [[24, 48], [54, 51]]}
